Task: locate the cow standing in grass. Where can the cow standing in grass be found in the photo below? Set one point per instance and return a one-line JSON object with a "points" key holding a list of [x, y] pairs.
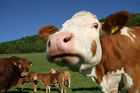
{"points": [[50, 78], [30, 78], [108, 52], [11, 70], [67, 75]]}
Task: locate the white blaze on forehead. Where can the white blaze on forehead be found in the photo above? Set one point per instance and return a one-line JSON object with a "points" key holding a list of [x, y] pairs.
{"points": [[125, 31], [84, 35]]}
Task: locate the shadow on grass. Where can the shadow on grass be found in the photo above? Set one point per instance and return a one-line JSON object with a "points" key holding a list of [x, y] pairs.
{"points": [[31, 89], [16, 92], [86, 89]]}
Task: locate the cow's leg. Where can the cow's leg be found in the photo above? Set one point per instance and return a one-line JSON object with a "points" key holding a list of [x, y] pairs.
{"points": [[64, 89], [61, 83], [20, 85], [34, 86], [61, 89], [49, 88], [69, 82], [111, 82]]}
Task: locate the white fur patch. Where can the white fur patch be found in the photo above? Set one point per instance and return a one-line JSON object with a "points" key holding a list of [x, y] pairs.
{"points": [[35, 77], [84, 35], [111, 81], [124, 31], [128, 80], [137, 91]]}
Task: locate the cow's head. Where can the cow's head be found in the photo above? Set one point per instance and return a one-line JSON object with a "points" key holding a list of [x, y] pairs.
{"points": [[77, 43], [53, 71], [22, 64]]}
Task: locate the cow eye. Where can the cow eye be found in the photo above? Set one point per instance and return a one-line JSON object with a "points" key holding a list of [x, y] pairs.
{"points": [[95, 25]]}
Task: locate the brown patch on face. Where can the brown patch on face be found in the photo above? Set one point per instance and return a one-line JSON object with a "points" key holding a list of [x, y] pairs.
{"points": [[93, 48]]}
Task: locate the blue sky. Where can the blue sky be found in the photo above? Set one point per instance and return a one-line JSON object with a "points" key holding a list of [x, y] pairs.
{"points": [[20, 18]]}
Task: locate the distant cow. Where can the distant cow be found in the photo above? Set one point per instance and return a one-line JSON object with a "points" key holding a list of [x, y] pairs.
{"points": [[11, 69], [67, 75], [30, 78], [108, 52], [47, 79]]}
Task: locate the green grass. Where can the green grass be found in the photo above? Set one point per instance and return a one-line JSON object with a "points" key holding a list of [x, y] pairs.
{"points": [[79, 83]]}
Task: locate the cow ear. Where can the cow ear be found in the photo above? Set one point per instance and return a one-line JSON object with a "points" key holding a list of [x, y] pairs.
{"points": [[47, 30], [31, 63], [17, 64], [14, 63], [115, 22]]}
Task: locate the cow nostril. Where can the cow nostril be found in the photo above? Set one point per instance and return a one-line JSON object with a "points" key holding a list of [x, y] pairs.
{"points": [[49, 43], [67, 39]]}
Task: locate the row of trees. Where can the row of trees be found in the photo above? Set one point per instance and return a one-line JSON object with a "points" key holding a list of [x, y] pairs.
{"points": [[27, 44], [134, 20], [34, 43]]}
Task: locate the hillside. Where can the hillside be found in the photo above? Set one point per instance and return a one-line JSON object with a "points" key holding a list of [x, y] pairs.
{"points": [[34, 43], [27, 44]]}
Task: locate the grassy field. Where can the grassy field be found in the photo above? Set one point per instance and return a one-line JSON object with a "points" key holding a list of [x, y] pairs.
{"points": [[79, 83]]}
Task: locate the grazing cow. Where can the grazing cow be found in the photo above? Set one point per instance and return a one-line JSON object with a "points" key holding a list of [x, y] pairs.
{"points": [[30, 78], [47, 79], [108, 52], [67, 75], [11, 69]]}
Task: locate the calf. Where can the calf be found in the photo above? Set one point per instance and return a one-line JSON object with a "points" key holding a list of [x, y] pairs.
{"points": [[30, 78], [67, 75], [108, 52], [47, 79], [11, 70]]}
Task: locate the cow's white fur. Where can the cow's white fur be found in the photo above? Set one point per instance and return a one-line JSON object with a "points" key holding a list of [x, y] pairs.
{"points": [[124, 31], [137, 91], [127, 80], [111, 81], [80, 26]]}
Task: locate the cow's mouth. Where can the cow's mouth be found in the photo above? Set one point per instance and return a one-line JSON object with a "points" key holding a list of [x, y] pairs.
{"points": [[63, 55], [65, 59]]}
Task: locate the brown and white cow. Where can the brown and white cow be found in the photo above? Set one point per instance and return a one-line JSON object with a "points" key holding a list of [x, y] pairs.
{"points": [[11, 70], [108, 52], [47, 79], [67, 75], [30, 78]]}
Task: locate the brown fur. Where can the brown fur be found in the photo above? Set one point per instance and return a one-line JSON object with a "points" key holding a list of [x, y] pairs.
{"points": [[67, 75], [47, 79], [30, 78], [93, 48], [11, 69], [118, 51], [47, 30]]}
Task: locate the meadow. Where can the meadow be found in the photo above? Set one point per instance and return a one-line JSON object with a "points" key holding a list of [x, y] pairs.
{"points": [[79, 83]]}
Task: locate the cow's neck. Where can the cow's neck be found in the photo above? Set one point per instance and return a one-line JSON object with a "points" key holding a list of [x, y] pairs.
{"points": [[111, 57]]}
